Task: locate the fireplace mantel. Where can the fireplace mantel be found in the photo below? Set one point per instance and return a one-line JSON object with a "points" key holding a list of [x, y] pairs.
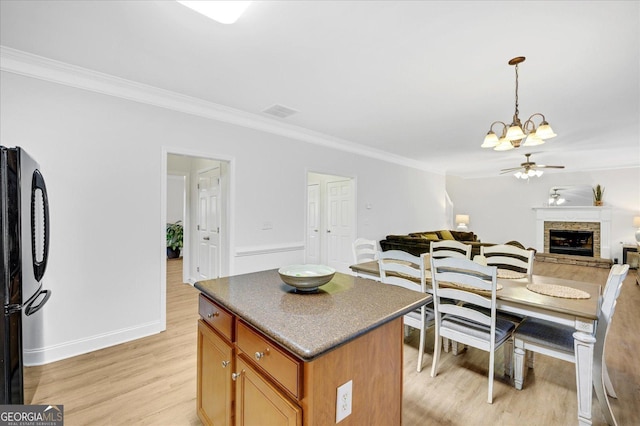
{"points": [[602, 215]]}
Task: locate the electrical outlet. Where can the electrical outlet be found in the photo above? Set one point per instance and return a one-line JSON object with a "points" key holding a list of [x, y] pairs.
{"points": [[343, 401]]}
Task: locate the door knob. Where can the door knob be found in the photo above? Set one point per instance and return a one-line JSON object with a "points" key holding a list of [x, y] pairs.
{"points": [[206, 238], [328, 231]]}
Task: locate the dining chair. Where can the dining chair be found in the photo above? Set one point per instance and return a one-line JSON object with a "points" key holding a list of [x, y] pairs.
{"points": [[471, 284], [406, 270], [556, 340], [509, 256], [364, 250], [449, 248]]}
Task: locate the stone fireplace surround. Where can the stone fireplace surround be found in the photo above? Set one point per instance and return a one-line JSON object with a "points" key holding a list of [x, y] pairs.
{"points": [[579, 218]]}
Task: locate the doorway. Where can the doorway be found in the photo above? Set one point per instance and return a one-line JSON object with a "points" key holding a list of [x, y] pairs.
{"points": [[330, 224], [206, 218]]}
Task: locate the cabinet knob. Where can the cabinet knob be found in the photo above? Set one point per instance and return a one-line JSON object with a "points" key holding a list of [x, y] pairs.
{"points": [[235, 376], [214, 314], [259, 355], [225, 363]]}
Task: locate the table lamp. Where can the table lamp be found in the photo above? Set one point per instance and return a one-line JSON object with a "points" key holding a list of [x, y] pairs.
{"points": [[463, 220], [636, 224]]}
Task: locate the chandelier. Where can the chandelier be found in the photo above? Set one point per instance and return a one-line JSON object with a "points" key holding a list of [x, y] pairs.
{"points": [[513, 135]]}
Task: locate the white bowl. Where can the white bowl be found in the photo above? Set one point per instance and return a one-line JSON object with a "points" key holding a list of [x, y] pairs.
{"points": [[306, 277]]}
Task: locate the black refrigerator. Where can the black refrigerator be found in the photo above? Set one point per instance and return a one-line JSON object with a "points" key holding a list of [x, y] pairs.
{"points": [[24, 219]]}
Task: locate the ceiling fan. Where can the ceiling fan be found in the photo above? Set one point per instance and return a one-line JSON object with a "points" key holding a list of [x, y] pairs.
{"points": [[528, 169], [555, 199]]}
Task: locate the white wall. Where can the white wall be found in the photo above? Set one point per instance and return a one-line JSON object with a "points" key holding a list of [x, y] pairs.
{"points": [[103, 160], [175, 198], [500, 208]]}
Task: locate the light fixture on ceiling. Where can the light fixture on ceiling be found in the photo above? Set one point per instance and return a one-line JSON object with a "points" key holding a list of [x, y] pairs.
{"points": [[462, 220], [527, 174], [513, 134], [225, 12]]}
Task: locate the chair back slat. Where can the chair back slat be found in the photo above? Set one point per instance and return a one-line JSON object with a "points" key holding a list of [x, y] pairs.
{"points": [[449, 248], [507, 256], [365, 250], [398, 267]]}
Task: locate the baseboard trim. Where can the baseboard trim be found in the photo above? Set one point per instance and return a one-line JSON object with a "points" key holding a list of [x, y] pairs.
{"points": [[70, 349]]}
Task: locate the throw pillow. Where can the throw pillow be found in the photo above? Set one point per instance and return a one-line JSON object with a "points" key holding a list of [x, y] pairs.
{"points": [[431, 236], [446, 235]]}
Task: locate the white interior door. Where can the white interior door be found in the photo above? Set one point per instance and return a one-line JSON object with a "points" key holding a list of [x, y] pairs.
{"points": [[208, 227], [313, 224], [339, 230]]}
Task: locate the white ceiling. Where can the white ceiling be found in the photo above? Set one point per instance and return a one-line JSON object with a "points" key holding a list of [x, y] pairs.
{"points": [[419, 79]]}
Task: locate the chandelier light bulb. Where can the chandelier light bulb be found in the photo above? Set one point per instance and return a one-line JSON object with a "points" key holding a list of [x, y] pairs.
{"points": [[545, 131], [515, 133], [490, 141], [533, 139], [503, 145]]}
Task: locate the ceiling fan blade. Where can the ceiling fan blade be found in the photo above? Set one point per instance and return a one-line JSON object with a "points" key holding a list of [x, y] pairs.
{"points": [[512, 169], [541, 166]]}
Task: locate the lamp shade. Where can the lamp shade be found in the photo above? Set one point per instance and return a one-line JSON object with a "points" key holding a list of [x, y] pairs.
{"points": [[462, 218], [636, 222]]}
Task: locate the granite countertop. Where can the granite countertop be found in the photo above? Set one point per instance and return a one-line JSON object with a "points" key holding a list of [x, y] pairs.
{"points": [[308, 325]]}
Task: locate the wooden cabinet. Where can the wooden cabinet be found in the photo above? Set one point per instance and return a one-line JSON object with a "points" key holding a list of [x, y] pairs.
{"points": [[245, 378], [260, 403], [215, 366], [233, 391]]}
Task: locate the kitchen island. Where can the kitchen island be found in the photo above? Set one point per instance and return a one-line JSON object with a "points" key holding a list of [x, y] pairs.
{"points": [[266, 351]]}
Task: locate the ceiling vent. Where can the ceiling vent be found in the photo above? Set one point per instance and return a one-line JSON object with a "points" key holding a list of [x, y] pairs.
{"points": [[280, 111]]}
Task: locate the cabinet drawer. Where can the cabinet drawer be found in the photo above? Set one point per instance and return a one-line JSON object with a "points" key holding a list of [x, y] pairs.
{"points": [[280, 366], [216, 316]]}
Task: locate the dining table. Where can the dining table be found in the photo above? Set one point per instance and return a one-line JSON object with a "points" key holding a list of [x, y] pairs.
{"points": [[515, 295]]}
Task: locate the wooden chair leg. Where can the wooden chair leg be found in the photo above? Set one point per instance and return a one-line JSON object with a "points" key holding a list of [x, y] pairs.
{"points": [[518, 367], [607, 382], [491, 367], [421, 350], [436, 356]]}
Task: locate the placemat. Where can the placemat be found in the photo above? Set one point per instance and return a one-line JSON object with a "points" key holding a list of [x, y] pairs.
{"points": [[468, 287], [509, 274], [558, 291]]}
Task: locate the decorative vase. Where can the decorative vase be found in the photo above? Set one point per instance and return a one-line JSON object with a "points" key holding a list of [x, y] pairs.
{"points": [[173, 254]]}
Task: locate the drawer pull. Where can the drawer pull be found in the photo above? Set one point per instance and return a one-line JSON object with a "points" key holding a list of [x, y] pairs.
{"points": [[225, 363], [260, 355], [235, 376], [215, 314]]}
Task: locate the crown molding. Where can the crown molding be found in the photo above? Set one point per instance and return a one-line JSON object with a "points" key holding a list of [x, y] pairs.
{"points": [[30, 65]]}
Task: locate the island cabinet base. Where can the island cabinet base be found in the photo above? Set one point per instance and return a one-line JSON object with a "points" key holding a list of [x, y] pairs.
{"points": [[373, 362], [245, 378]]}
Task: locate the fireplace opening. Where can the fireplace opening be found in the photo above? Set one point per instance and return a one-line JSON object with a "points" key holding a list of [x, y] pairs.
{"points": [[578, 243]]}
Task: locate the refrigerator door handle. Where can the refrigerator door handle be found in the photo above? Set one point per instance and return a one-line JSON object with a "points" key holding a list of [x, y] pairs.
{"points": [[38, 186], [30, 309]]}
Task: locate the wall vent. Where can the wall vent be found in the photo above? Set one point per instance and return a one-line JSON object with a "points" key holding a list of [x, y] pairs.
{"points": [[280, 111]]}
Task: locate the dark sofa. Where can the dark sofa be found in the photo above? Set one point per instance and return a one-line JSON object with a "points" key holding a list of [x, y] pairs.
{"points": [[417, 243]]}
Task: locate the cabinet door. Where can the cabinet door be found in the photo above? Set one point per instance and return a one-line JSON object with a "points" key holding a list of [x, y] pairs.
{"points": [[215, 366], [259, 403]]}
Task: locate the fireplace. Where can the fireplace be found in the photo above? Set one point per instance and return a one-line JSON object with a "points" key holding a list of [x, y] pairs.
{"points": [[577, 243], [595, 220]]}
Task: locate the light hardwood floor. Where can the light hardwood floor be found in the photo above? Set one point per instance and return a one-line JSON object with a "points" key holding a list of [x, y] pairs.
{"points": [[152, 381]]}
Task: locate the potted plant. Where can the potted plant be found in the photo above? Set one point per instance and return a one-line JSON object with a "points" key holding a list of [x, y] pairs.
{"points": [[174, 239], [598, 192]]}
